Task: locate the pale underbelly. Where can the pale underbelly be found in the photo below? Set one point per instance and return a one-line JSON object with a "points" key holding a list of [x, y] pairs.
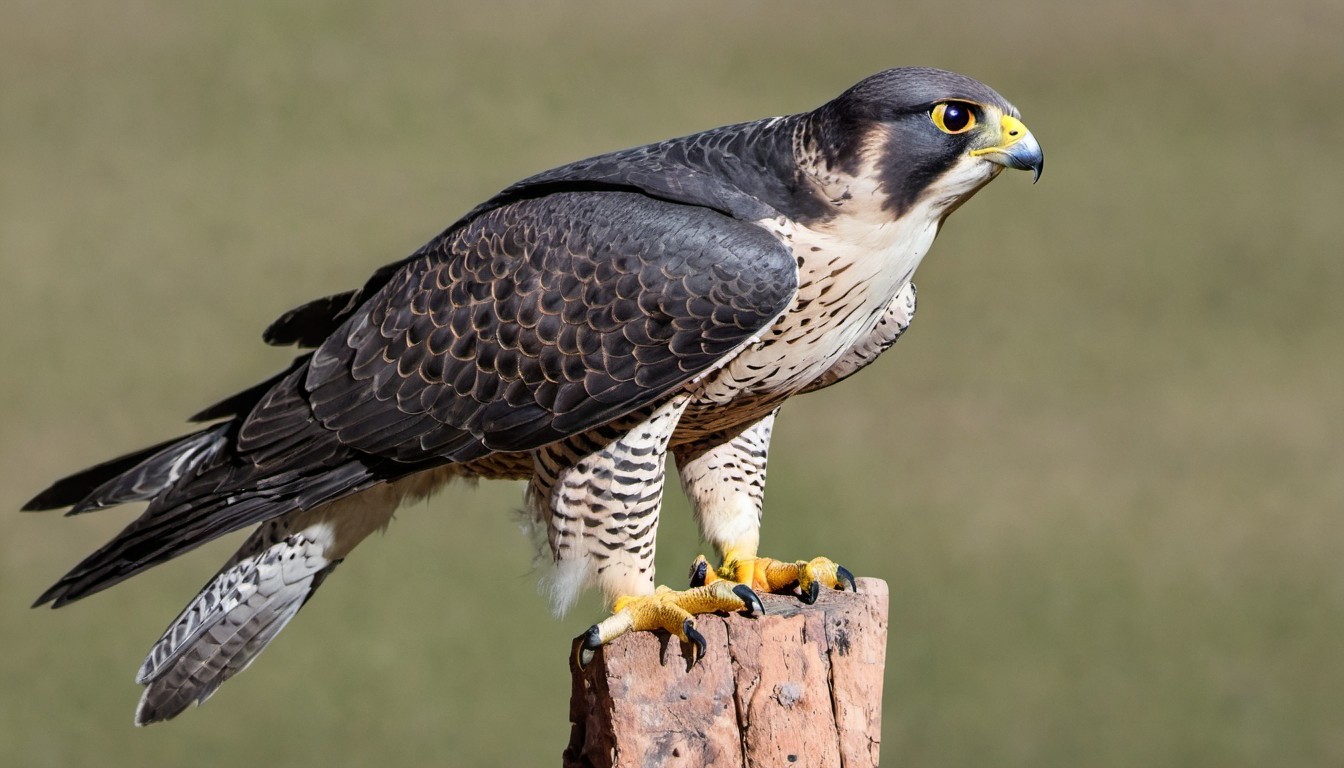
{"points": [[801, 346]]}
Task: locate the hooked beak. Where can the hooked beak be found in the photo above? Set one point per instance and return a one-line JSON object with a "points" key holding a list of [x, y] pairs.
{"points": [[1017, 148]]}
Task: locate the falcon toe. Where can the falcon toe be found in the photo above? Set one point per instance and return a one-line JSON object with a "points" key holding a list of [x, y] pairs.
{"points": [[671, 611], [807, 577]]}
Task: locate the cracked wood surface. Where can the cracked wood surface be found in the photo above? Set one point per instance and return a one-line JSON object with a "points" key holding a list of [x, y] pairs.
{"points": [[801, 685]]}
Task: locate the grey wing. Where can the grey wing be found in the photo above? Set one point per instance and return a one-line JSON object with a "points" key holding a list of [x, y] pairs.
{"points": [[893, 323], [539, 320], [718, 169]]}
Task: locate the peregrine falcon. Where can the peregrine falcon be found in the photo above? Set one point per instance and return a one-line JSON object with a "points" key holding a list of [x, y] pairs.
{"points": [[571, 331]]}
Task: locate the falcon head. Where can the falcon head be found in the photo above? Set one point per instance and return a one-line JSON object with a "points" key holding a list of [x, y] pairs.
{"points": [[924, 136]]}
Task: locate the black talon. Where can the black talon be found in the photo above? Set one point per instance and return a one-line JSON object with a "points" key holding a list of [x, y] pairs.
{"points": [[810, 595], [699, 572], [843, 577], [592, 640], [748, 595], [697, 640]]}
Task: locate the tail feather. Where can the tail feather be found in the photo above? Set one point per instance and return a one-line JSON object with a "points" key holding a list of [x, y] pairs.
{"points": [[254, 596], [232, 620]]}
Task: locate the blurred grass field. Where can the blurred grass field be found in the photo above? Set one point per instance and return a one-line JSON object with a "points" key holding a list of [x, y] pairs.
{"points": [[1103, 474]]}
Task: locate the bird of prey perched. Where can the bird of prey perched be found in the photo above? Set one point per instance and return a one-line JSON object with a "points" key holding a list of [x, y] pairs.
{"points": [[572, 330]]}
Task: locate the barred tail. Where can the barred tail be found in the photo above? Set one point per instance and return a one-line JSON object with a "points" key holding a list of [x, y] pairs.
{"points": [[251, 599]]}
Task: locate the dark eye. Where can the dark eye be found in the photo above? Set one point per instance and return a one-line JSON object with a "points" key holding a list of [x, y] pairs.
{"points": [[953, 117]]}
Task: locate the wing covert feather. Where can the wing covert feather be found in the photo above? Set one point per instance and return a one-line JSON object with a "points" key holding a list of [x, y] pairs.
{"points": [[543, 318]]}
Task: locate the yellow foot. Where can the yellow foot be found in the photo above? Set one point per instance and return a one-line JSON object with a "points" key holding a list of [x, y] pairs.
{"points": [[669, 610], [769, 575]]}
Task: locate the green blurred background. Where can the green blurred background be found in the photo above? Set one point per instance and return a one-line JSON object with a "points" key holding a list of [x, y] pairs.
{"points": [[1103, 475]]}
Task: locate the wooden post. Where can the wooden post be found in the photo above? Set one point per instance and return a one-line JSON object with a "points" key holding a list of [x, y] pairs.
{"points": [[801, 685]]}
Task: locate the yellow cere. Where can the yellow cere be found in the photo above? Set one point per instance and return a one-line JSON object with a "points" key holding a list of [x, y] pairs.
{"points": [[1011, 131]]}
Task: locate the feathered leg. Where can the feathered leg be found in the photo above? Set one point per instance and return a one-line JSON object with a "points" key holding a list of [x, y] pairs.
{"points": [[600, 494], [724, 478]]}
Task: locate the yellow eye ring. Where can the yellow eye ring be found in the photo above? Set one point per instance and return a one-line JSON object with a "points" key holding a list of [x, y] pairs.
{"points": [[953, 117]]}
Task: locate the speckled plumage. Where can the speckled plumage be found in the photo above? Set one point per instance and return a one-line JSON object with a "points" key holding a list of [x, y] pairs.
{"points": [[573, 329]]}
